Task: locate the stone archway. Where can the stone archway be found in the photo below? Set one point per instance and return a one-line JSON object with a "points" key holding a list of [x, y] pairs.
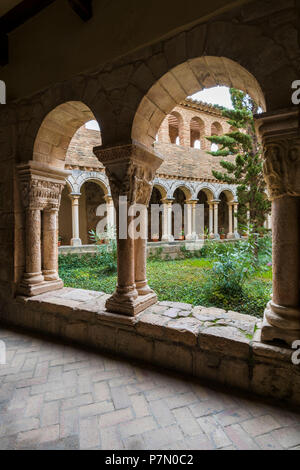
{"points": [[42, 180], [185, 80], [205, 197]]}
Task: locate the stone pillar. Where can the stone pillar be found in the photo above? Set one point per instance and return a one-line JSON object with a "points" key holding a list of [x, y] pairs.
{"points": [[41, 186], [33, 274], [191, 220], [211, 220], [235, 220], [75, 241], [167, 220], [216, 219], [194, 222], [281, 142], [50, 244], [140, 258], [230, 234], [130, 170], [110, 208]]}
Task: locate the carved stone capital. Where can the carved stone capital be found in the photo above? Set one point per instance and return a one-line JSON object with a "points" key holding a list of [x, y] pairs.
{"points": [[130, 170], [280, 135], [41, 185]]}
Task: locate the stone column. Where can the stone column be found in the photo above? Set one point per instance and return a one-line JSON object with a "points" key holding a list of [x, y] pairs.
{"points": [[110, 208], [167, 220], [50, 245], [211, 220], [140, 257], [41, 186], [194, 222], [75, 241], [191, 220], [281, 142], [130, 170], [235, 220], [230, 219], [33, 269], [216, 219]]}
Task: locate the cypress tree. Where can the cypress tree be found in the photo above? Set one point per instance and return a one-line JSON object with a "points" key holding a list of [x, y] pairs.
{"points": [[246, 172]]}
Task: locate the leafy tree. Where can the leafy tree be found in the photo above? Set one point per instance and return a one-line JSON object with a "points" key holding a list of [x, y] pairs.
{"points": [[247, 170]]}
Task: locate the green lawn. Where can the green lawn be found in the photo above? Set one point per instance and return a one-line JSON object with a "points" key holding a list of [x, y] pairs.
{"points": [[177, 281]]}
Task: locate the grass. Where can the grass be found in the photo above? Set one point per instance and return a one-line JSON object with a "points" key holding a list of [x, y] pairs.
{"points": [[177, 281]]}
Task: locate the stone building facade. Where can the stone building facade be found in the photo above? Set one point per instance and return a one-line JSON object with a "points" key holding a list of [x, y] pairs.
{"points": [[185, 177]]}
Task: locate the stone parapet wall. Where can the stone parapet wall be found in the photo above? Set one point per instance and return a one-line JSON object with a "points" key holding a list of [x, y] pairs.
{"points": [[208, 343]]}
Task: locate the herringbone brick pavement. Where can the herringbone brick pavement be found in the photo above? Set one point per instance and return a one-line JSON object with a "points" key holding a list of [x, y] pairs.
{"points": [[54, 396]]}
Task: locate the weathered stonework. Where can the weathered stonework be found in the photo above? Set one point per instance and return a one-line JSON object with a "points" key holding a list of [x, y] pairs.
{"points": [[41, 189], [209, 343], [130, 170], [280, 136]]}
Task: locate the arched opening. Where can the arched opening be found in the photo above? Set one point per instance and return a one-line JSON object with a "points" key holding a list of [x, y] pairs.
{"points": [[57, 130], [225, 212], [216, 129], [205, 197], [155, 226], [175, 128], [92, 197], [181, 195], [187, 79], [44, 179], [197, 131], [65, 218]]}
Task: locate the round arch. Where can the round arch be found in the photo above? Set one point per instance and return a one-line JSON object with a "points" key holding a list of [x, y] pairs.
{"points": [[185, 80], [230, 193], [175, 122], [197, 131], [57, 130], [208, 192], [97, 179], [185, 188], [216, 128], [162, 190]]}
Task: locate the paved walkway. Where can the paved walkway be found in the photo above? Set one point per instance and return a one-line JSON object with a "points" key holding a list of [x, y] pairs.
{"points": [[58, 397]]}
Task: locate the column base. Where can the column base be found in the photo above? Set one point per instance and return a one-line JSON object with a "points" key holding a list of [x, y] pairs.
{"points": [[37, 289], [143, 288], [76, 242], [233, 236], [192, 237], [51, 276], [277, 327], [167, 238], [130, 307]]}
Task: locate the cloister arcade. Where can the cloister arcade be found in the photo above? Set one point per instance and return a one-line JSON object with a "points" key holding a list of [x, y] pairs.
{"points": [[130, 99]]}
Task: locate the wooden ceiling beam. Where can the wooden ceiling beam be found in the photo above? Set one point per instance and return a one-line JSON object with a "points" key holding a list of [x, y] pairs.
{"points": [[83, 8]]}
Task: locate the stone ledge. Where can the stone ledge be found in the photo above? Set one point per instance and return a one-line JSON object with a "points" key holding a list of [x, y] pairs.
{"points": [[208, 343]]}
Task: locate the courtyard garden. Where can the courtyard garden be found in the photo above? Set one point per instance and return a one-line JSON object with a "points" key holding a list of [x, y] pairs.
{"points": [[233, 276]]}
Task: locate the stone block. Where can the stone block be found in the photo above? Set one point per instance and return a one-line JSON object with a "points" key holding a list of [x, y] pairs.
{"points": [[226, 340], [151, 324], [130, 344], [102, 337], [173, 356], [183, 330]]}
